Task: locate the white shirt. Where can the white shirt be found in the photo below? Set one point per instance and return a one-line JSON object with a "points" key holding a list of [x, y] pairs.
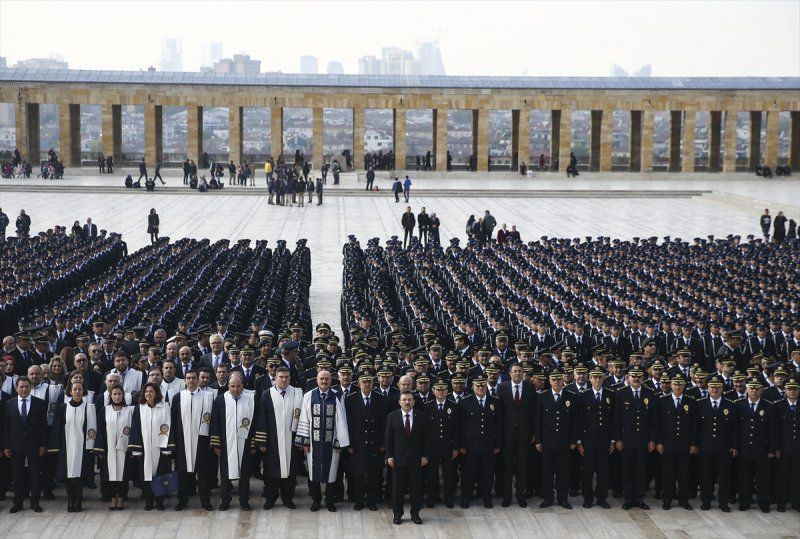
{"points": [[27, 404], [514, 389], [676, 400], [750, 404], [716, 402]]}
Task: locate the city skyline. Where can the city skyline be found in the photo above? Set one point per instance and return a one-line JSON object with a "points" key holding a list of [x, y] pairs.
{"points": [[474, 40]]}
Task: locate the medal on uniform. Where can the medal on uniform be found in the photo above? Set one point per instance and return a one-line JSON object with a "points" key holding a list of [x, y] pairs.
{"points": [[761, 413], [567, 403], [491, 407], [646, 401], [449, 411], [685, 407], [725, 411]]}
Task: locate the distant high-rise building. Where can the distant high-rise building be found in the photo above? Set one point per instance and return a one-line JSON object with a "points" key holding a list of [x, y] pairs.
{"points": [[240, 64], [644, 71], [210, 52], [369, 65], [430, 58], [308, 65], [617, 71], [171, 55], [43, 63], [335, 68], [3, 64], [393, 60]]}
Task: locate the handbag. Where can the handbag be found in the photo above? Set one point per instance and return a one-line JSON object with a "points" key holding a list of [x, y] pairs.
{"points": [[165, 484]]}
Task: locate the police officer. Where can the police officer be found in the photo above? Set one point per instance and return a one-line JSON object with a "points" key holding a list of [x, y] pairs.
{"points": [[758, 442], [715, 434], [595, 438], [480, 442], [674, 426], [444, 429], [788, 416], [553, 431]]}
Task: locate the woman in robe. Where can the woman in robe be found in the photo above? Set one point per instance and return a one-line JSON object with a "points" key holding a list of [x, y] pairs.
{"points": [[77, 377], [149, 440], [115, 429], [73, 438]]}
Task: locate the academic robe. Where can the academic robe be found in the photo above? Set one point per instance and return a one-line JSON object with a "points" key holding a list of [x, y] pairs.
{"points": [[73, 438], [233, 431], [149, 439], [50, 393], [114, 427], [191, 424], [278, 417], [323, 428]]}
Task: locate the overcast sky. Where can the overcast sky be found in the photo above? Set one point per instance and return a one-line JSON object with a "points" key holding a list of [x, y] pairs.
{"points": [[722, 38]]}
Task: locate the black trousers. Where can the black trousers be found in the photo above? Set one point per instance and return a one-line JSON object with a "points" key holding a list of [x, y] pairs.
{"points": [[158, 175], [397, 196], [369, 185], [142, 175], [556, 466], [447, 466], [26, 479], [789, 484], [408, 233], [596, 463], [675, 466], [199, 480], [48, 467], [715, 467], [283, 488], [404, 479], [423, 235], [116, 489], [634, 473], [244, 481], [477, 468], [750, 468], [315, 491], [367, 486], [515, 463]]}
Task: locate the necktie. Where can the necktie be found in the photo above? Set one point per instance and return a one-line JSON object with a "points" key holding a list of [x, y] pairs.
{"points": [[753, 406], [636, 395], [441, 407], [516, 395], [24, 412], [597, 395], [283, 393], [481, 401], [494, 392], [714, 405], [686, 372], [678, 402], [658, 386], [556, 397], [247, 373], [408, 425], [366, 402], [323, 396], [793, 407]]}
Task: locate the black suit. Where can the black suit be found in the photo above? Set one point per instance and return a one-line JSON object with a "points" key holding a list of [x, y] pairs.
{"points": [[517, 435], [715, 432], [24, 439], [481, 430], [445, 437], [554, 428], [633, 425], [595, 430], [407, 451], [90, 231], [622, 348], [759, 435], [256, 372], [674, 431], [789, 463], [367, 428]]}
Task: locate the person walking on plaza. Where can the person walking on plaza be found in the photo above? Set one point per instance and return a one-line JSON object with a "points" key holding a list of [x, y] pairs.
{"points": [[152, 226], [407, 188], [370, 178], [101, 164], [142, 170], [397, 188], [319, 191], [158, 173], [408, 221], [765, 221]]}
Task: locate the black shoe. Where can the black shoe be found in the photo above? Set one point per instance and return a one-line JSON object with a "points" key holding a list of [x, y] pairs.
{"points": [[416, 520], [449, 505], [522, 503], [506, 503], [372, 507], [315, 506], [290, 505], [603, 504], [181, 505], [36, 508], [397, 520], [724, 508], [687, 506], [464, 505], [566, 505], [267, 506], [744, 507], [781, 509], [706, 506], [331, 508], [764, 508], [488, 504], [245, 506], [159, 505], [587, 505], [430, 505], [545, 504], [224, 506], [665, 506], [644, 506], [148, 506], [358, 507], [627, 506]]}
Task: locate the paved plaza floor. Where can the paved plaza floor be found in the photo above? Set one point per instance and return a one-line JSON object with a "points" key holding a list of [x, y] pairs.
{"points": [[724, 204]]}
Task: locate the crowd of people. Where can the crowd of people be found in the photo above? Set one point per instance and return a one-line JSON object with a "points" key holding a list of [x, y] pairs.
{"points": [[557, 368], [427, 225], [52, 168], [105, 164]]}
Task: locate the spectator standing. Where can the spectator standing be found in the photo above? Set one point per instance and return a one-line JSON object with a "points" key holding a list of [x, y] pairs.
{"points": [[101, 164], [779, 228], [152, 225], [3, 225], [765, 221], [407, 188], [408, 221]]}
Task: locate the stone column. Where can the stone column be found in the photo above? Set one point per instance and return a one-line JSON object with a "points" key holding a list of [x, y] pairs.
{"points": [[480, 139], [635, 141], [21, 130], [647, 141], [69, 127], [112, 132], [564, 139], [399, 139], [194, 136], [523, 146], [714, 140], [317, 138], [794, 144], [235, 132], [555, 138], [675, 128], [153, 148], [440, 138], [606, 140], [595, 135], [771, 151], [755, 140], [688, 141], [275, 132], [34, 147], [359, 130], [729, 159]]}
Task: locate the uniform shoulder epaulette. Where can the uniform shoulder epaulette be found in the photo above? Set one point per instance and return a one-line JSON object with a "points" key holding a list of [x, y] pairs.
{"points": [[693, 397], [702, 398], [734, 401]]}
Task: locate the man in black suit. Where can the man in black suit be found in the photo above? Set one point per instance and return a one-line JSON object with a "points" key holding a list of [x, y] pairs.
{"points": [[25, 441], [762, 342], [250, 371], [517, 401], [443, 428], [594, 436], [715, 433], [366, 418], [406, 451], [553, 431], [674, 420], [89, 229], [618, 343], [480, 441], [217, 354]]}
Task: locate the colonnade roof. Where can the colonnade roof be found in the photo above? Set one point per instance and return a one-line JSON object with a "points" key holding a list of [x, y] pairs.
{"points": [[83, 76]]}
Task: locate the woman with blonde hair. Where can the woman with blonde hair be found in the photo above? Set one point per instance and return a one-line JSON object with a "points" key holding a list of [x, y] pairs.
{"points": [[58, 370], [68, 357]]}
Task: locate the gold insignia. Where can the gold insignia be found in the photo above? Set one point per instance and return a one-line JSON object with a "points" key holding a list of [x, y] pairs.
{"points": [[646, 401], [761, 412], [245, 422], [608, 400], [206, 418], [164, 429], [491, 407], [725, 411], [297, 412], [91, 434], [567, 403], [449, 411], [126, 431], [685, 407]]}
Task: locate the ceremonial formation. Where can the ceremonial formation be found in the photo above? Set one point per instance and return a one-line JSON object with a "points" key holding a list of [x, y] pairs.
{"points": [[596, 371]]}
